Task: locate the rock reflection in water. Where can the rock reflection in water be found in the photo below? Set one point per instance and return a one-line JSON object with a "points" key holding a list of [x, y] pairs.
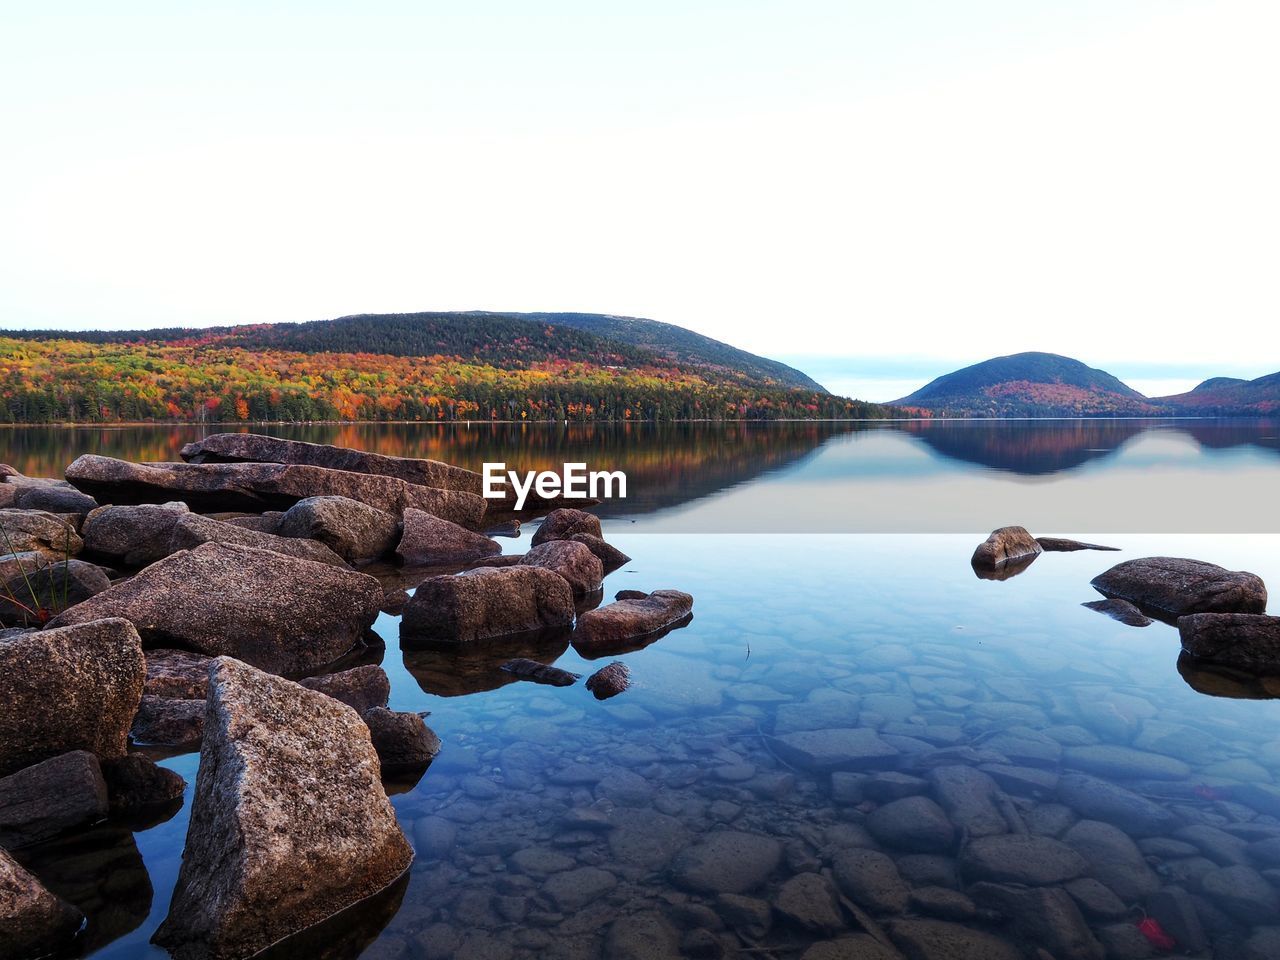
{"points": [[348, 934], [1004, 571], [450, 671], [102, 873], [1218, 681]]}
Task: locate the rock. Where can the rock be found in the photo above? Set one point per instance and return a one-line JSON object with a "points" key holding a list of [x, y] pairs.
{"points": [[48, 798], [135, 783], [35, 531], [610, 557], [808, 900], [32, 586], [571, 560], [1121, 610], [485, 604], [1062, 545], [51, 496], [353, 530], [1174, 587], [871, 880], [177, 674], [626, 621], [1175, 911], [1115, 761], [428, 540], [562, 524], [859, 946], [1097, 799], [33, 922], [642, 936], [290, 824], [887, 785], [942, 903], [1112, 859], [540, 861], [255, 487], [747, 916], [1218, 845], [574, 889], [361, 688], [527, 669], [939, 940], [851, 748], [1243, 893], [75, 688], [253, 447], [1020, 858], [192, 530], [609, 681], [268, 522], [1245, 640], [403, 740], [1045, 916], [272, 611], [916, 824], [727, 862], [1095, 899], [168, 722], [132, 536], [970, 798], [1005, 544], [1124, 941]]}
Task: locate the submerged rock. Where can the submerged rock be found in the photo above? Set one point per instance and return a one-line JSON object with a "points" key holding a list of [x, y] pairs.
{"points": [[1175, 587], [1249, 641], [428, 540], [571, 560], [940, 940], [33, 922], [485, 604], [132, 536], [74, 688], [48, 798], [609, 681], [624, 621], [289, 825], [727, 861], [1045, 916], [527, 669], [562, 524], [1121, 610], [255, 487], [360, 688], [1113, 859], [238, 447], [851, 748], [193, 529], [1003, 545], [35, 531], [916, 824], [871, 880], [275, 612], [353, 530], [1021, 858]]}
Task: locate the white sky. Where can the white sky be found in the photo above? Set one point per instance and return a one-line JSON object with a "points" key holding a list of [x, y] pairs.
{"points": [[878, 186]]}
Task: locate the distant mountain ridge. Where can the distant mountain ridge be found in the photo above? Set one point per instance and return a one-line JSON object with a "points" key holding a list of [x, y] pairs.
{"points": [[1037, 384]]}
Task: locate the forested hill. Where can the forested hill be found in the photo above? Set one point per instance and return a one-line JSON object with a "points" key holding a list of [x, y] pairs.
{"points": [[422, 366]]}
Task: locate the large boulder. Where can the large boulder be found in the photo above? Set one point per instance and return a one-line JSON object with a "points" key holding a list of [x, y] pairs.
{"points": [[54, 496], [239, 447], [1174, 587], [574, 561], [485, 604], [23, 531], [255, 487], [428, 541], [132, 535], [290, 824], [1005, 544], [353, 530], [1250, 641], [562, 524], [33, 922], [34, 588], [192, 530], [278, 613], [47, 798], [75, 688], [624, 621]]}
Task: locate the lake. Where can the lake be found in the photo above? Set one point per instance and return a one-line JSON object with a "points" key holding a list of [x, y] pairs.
{"points": [[830, 569]]}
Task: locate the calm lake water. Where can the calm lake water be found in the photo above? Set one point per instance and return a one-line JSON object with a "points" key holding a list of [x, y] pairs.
{"points": [[830, 569]]}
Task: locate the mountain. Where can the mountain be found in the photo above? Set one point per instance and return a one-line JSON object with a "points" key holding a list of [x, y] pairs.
{"points": [[418, 366], [1027, 385], [1228, 396]]}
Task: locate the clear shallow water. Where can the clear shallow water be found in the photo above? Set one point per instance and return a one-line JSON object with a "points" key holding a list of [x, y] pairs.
{"points": [[890, 632]]}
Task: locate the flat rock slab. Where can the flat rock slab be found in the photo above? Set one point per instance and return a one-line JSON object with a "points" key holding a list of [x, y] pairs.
{"points": [[727, 862], [1121, 610], [1174, 587], [75, 688], [1063, 545], [33, 922], [290, 824], [628, 620], [1249, 641], [1021, 858], [487, 603], [275, 612], [257, 487], [193, 529], [850, 748], [254, 447]]}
